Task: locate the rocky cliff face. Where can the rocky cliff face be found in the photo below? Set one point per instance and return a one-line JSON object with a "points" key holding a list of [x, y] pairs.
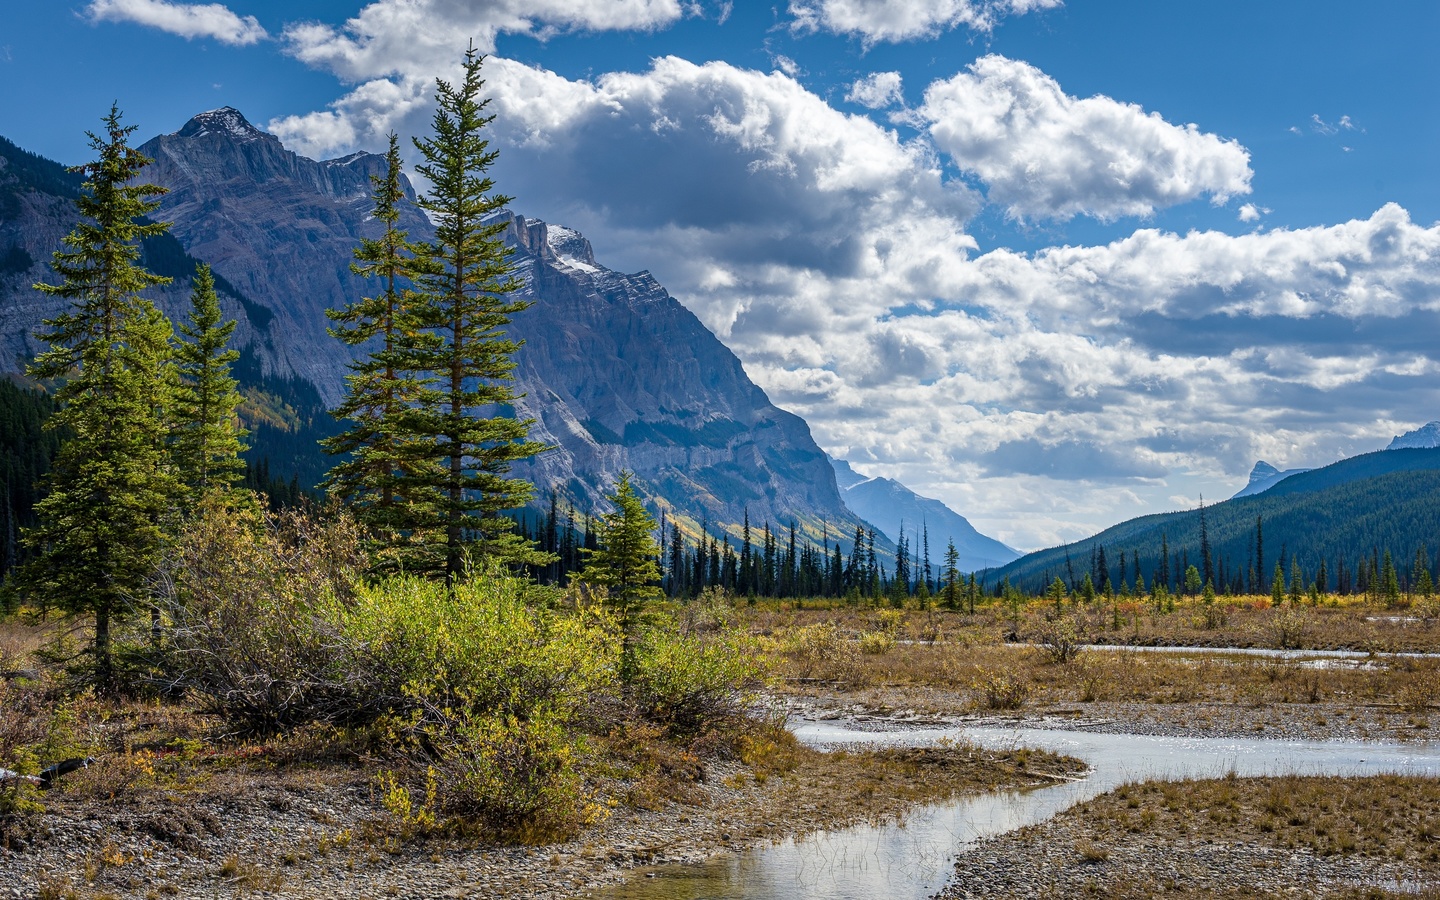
{"points": [[37, 211], [279, 227], [616, 373], [619, 375]]}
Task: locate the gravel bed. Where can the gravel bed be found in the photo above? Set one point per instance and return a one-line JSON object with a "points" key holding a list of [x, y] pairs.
{"points": [[1055, 860]]}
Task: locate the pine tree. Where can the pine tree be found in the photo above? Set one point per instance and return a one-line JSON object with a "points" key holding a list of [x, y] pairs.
{"points": [[624, 564], [388, 476], [101, 528], [952, 576], [461, 298], [208, 438], [1390, 581]]}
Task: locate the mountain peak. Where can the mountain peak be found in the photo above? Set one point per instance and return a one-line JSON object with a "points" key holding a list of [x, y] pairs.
{"points": [[1424, 437], [226, 120], [1263, 477], [1262, 471]]}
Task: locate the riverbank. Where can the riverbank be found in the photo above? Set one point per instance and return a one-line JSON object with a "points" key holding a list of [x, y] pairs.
{"points": [[1371, 837], [307, 832]]}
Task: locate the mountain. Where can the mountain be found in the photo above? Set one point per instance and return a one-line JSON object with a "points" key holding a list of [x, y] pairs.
{"points": [[1341, 513], [889, 505], [619, 375], [1265, 476], [616, 373], [1426, 436], [37, 211]]}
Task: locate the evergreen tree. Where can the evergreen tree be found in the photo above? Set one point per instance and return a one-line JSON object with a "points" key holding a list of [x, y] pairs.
{"points": [[1259, 550], [1420, 580], [1390, 581], [387, 474], [624, 564], [1277, 586], [460, 298], [208, 438], [952, 576], [101, 527]]}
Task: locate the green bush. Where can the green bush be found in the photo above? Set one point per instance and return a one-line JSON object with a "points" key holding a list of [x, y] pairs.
{"points": [[688, 682]]}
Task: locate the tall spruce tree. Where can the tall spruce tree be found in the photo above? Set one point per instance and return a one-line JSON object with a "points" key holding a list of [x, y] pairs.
{"points": [[101, 527], [389, 475], [208, 439], [624, 564], [461, 297]]}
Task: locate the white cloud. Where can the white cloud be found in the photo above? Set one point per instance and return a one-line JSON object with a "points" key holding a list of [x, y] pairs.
{"points": [[420, 37], [877, 21], [876, 90], [1046, 155], [787, 65], [831, 255], [188, 20], [1249, 212], [1323, 127]]}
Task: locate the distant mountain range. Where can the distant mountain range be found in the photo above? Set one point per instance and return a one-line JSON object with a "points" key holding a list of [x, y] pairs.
{"points": [[616, 373], [893, 508], [1358, 507], [1265, 476], [1426, 436]]}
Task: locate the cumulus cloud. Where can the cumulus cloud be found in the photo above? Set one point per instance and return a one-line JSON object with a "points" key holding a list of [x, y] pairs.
{"points": [[1043, 394], [879, 21], [188, 20], [418, 37], [876, 90], [1046, 155]]}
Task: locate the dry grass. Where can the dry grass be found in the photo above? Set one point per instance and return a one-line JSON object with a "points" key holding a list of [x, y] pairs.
{"points": [[1380, 817], [973, 659]]}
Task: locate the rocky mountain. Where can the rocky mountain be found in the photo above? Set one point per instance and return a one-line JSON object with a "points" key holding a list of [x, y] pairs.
{"points": [[893, 508], [279, 227], [1263, 477], [616, 372], [1426, 436], [619, 375]]}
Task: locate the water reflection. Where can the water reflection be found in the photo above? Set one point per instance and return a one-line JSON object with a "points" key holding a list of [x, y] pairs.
{"points": [[913, 858]]}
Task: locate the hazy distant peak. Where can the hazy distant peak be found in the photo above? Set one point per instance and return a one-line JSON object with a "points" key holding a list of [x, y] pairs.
{"points": [[1424, 437], [1262, 471], [1265, 476]]}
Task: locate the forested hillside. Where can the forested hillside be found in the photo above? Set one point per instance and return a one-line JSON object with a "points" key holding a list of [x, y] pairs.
{"points": [[1346, 517]]}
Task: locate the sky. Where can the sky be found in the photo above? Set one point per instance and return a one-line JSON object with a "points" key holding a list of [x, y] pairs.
{"points": [[1057, 263]]}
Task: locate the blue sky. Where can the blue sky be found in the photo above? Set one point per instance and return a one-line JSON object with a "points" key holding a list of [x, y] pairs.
{"points": [[1056, 263]]}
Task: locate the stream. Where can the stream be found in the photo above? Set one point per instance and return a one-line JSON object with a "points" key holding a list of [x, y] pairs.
{"points": [[912, 859]]}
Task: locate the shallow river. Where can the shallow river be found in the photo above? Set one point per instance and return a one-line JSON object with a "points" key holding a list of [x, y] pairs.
{"points": [[912, 860]]}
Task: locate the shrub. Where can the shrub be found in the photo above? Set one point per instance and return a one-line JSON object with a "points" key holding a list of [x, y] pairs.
{"points": [[689, 682], [1059, 640], [1000, 691], [877, 643]]}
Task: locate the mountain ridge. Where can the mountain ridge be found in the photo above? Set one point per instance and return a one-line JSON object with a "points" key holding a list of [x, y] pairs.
{"points": [[893, 507], [616, 373]]}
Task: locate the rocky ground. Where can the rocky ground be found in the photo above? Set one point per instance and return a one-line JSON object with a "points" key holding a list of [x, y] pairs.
{"points": [[324, 835]]}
